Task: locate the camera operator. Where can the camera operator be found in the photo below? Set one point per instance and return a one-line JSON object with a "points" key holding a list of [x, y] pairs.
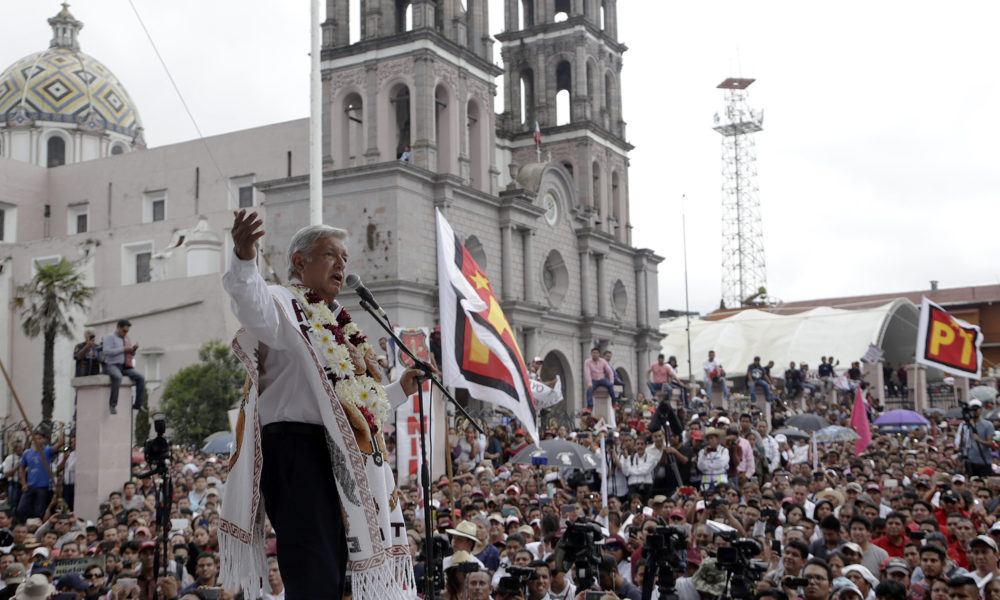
{"points": [[538, 586], [611, 581], [976, 438], [560, 587]]}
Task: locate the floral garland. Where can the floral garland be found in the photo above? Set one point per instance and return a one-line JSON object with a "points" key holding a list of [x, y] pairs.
{"points": [[330, 335]]}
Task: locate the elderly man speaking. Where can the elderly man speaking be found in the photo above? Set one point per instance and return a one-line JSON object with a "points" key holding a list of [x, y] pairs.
{"points": [[309, 434]]}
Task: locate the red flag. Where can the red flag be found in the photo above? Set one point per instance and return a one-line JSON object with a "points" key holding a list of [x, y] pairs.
{"points": [[538, 134], [860, 424], [478, 349]]}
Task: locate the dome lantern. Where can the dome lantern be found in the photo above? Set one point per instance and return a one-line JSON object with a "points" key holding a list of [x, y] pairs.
{"points": [[65, 29]]}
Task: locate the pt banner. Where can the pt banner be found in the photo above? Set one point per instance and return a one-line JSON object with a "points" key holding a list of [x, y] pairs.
{"points": [[947, 343]]}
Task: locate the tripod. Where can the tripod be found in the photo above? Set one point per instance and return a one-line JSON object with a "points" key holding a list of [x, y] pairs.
{"points": [[162, 518]]}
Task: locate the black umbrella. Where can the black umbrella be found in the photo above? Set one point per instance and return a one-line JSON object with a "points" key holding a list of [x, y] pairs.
{"points": [[807, 422], [557, 453], [791, 433], [953, 413]]}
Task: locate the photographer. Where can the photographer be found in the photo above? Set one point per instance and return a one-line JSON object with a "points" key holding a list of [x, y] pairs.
{"points": [[87, 355], [975, 437], [538, 586]]}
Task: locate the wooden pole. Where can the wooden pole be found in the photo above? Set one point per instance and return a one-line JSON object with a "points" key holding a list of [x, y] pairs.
{"points": [[27, 422]]}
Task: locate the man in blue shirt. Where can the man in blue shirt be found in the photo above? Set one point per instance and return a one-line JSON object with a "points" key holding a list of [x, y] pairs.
{"points": [[119, 354], [36, 463]]}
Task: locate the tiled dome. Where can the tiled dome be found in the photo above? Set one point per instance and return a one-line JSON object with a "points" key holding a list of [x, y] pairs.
{"points": [[64, 85]]}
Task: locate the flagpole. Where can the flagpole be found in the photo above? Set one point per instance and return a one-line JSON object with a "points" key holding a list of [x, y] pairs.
{"points": [[687, 304], [315, 121], [448, 467]]}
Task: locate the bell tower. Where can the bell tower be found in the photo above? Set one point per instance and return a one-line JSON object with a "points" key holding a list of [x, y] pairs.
{"points": [[416, 85], [562, 70]]}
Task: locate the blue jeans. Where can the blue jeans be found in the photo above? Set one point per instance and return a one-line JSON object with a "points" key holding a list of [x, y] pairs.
{"points": [[593, 384], [753, 390], [654, 388], [115, 372], [33, 503], [707, 384]]}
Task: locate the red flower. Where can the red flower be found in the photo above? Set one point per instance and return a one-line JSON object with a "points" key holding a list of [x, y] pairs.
{"points": [[343, 318], [313, 298], [370, 418]]}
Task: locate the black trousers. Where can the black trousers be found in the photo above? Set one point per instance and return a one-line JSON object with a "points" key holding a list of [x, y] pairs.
{"points": [[302, 502]]}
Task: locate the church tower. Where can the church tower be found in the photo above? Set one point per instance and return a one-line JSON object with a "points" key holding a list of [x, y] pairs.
{"points": [[419, 76], [562, 70]]}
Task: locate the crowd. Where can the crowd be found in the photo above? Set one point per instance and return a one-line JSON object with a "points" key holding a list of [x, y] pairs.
{"points": [[912, 517]]}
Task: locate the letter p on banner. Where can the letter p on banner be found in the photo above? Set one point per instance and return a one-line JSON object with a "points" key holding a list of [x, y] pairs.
{"points": [[947, 343]]}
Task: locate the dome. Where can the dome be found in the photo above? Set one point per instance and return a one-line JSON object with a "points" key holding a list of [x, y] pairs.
{"points": [[64, 85]]}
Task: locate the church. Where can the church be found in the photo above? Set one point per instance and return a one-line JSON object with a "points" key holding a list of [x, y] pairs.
{"points": [[409, 125]]}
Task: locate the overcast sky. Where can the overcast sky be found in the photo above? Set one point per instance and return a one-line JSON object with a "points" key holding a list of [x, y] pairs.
{"points": [[878, 161]]}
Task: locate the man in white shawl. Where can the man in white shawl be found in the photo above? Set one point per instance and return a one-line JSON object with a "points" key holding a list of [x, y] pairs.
{"points": [[309, 434]]}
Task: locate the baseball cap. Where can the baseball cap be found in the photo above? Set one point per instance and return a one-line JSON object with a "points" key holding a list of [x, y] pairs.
{"points": [[538, 359], [513, 488], [73, 581], [677, 512], [949, 496], [984, 539], [958, 478], [975, 402], [660, 499], [854, 486], [898, 565], [519, 432], [853, 547], [14, 573], [873, 486], [147, 545], [615, 540]]}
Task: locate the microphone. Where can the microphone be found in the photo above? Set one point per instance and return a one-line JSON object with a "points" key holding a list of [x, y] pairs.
{"points": [[354, 282]]}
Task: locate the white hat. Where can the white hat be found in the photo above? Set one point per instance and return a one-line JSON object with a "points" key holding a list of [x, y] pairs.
{"points": [[538, 359], [781, 438], [36, 587], [975, 402]]}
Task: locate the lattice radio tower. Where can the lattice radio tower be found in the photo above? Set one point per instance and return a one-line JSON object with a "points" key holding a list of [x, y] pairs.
{"points": [[743, 273]]}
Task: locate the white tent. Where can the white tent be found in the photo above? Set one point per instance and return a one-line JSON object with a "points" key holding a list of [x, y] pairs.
{"points": [[802, 337]]}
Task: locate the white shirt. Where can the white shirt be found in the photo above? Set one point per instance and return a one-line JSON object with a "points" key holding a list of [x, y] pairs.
{"points": [[286, 394], [639, 469], [278, 596], [708, 366], [69, 472], [771, 452]]}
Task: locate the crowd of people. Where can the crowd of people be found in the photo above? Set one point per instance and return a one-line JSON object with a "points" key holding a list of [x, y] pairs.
{"points": [[914, 516]]}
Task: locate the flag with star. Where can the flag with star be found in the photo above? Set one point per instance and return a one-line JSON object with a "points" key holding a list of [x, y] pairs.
{"points": [[478, 349]]}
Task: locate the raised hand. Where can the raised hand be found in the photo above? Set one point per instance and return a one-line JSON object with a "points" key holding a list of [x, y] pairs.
{"points": [[246, 232]]}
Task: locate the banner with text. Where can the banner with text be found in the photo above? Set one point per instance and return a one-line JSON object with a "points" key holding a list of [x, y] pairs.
{"points": [[947, 343]]}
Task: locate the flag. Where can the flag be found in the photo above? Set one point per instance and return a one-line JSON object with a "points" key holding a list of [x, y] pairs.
{"points": [[538, 134], [947, 343], [860, 424], [545, 396], [478, 348]]}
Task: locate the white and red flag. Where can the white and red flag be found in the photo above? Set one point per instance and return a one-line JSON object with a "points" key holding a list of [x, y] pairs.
{"points": [[538, 134], [478, 349]]}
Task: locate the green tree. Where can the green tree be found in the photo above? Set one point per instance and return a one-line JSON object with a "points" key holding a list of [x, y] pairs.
{"points": [[196, 399], [46, 303], [142, 427]]}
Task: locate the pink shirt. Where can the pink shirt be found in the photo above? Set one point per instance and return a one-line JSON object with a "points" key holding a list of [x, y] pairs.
{"points": [[746, 466], [597, 370], [660, 372]]}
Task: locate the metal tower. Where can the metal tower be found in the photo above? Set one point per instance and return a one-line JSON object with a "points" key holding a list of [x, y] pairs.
{"points": [[743, 273]]}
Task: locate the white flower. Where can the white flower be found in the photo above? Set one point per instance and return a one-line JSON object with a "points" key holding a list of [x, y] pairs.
{"points": [[351, 329]]}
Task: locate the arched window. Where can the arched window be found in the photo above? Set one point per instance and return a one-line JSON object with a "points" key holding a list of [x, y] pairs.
{"points": [[595, 98], [352, 131], [609, 104], [400, 99], [604, 15], [55, 151], [528, 98], [404, 15], [564, 83], [562, 11], [596, 195], [476, 251], [355, 17], [477, 151], [616, 199], [117, 149], [444, 129], [527, 14], [555, 278]]}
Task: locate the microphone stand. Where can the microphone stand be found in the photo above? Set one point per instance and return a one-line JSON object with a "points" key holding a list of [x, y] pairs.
{"points": [[430, 586]]}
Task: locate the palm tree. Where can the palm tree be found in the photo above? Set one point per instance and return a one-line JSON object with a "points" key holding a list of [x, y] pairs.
{"points": [[46, 302]]}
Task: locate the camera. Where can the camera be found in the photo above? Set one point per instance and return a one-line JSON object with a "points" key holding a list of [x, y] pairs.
{"points": [[744, 571], [157, 450], [515, 580], [916, 535], [664, 554], [794, 582], [579, 553]]}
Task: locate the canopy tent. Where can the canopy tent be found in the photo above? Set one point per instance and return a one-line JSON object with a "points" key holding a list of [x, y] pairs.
{"points": [[804, 336]]}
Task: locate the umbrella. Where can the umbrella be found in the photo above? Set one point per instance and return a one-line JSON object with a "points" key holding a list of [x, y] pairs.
{"points": [[983, 393], [836, 433], [558, 453], [900, 417], [219, 442], [807, 422], [953, 413], [934, 410], [792, 433]]}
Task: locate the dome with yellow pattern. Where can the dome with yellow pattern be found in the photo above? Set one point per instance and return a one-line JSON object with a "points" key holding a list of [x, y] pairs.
{"points": [[62, 84]]}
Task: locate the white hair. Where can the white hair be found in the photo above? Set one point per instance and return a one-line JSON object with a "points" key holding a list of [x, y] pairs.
{"points": [[307, 237]]}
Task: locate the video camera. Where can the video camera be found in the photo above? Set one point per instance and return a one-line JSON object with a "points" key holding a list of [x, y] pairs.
{"points": [[743, 570], [664, 554], [513, 584], [157, 450], [579, 553]]}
